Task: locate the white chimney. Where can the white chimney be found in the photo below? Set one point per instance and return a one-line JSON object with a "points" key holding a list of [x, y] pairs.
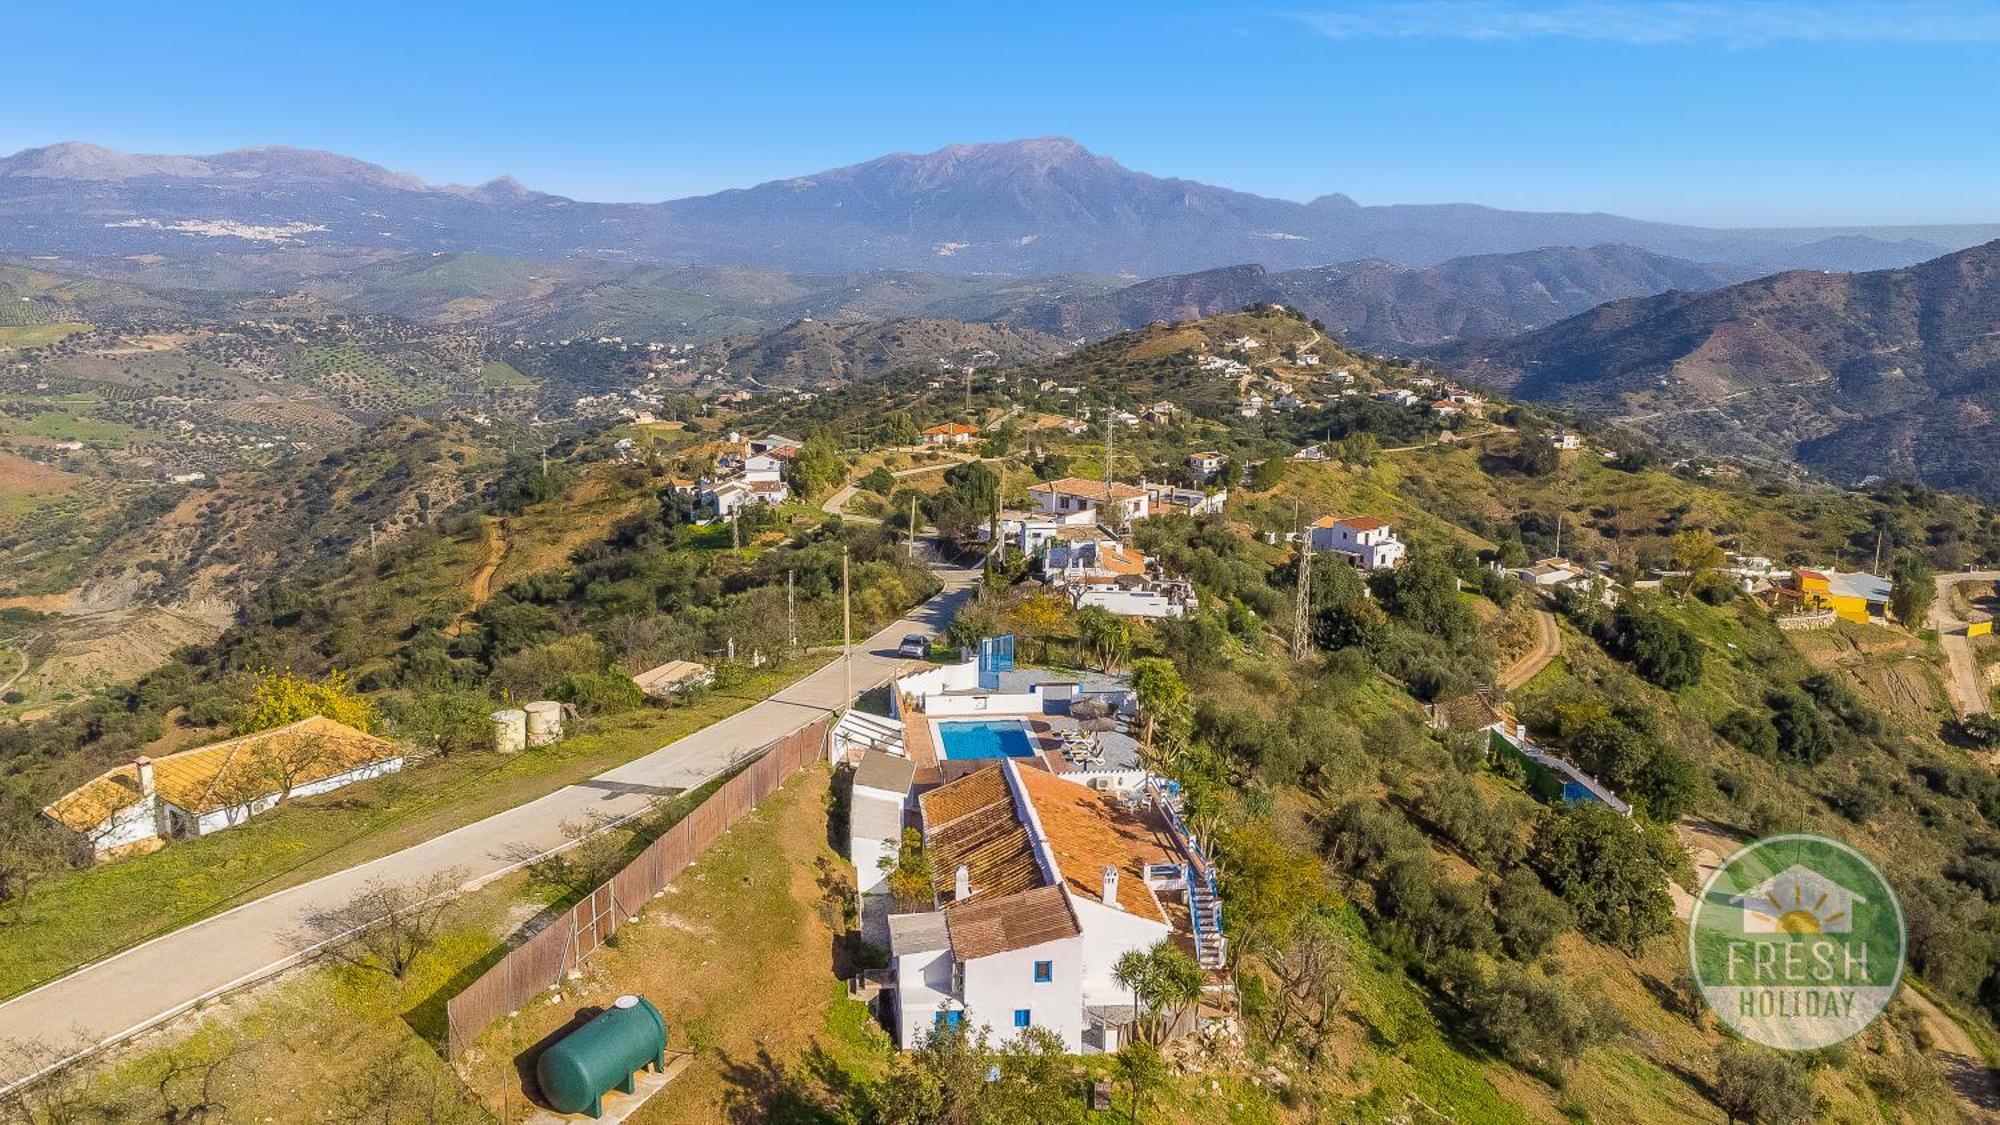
{"points": [[145, 767], [962, 886], [1111, 887]]}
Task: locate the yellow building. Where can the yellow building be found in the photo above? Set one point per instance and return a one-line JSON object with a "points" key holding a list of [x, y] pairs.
{"points": [[1854, 597]]}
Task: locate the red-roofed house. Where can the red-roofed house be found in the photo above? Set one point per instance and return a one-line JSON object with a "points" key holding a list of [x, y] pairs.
{"points": [[950, 433], [1041, 884]]}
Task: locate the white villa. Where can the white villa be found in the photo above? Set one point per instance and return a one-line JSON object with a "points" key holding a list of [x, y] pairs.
{"points": [[1071, 495], [950, 433], [1099, 570], [1039, 886], [1565, 439], [137, 807], [1206, 463], [1365, 541]]}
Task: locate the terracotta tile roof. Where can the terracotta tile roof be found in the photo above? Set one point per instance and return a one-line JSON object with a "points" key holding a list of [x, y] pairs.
{"points": [[1364, 523], [981, 927], [951, 429], [981, 832], [1088, 489], [1087, 831], [239, 769], [95, 801]]}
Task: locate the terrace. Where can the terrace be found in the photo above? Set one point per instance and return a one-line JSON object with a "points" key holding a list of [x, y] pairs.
{"points": [[957, 719]]}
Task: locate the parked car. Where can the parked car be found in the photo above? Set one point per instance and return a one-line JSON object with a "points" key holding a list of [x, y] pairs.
{"points": [[916, 646]]}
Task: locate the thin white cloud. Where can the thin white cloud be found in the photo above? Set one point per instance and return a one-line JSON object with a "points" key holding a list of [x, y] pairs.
{"points": [[1743, 24]]}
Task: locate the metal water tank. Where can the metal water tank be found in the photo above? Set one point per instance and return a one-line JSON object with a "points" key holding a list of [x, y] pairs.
{"points": [[510, 730], [545, 722], [576, 1071]]}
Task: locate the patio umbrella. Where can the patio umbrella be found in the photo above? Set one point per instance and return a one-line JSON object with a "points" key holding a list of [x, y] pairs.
{"points": [[1100, 723], [1089, 707]]}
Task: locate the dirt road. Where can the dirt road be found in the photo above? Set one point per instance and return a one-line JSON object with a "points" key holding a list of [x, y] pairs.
{"points": [[1548, 645], [1968, 689]]}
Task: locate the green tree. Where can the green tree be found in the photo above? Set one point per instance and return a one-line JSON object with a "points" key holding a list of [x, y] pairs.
{"points": [[1143, 1071], [1266, 474], [910, 879], [1163, 701], [879, 480], [817, 466], [1761, 1087], [1165, 981], [447, 721], [1527, 917], [1912, 589], [1424, 593], [1802, 736], [1105, 634], [1612, 873], [1697, 553], [281, 698]]}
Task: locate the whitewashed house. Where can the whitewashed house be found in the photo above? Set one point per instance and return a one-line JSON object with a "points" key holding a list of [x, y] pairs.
{"points": [[1071, 495], [1365, 541], [1206, 463], [139, 806], [876, 811], [1040, 885]]}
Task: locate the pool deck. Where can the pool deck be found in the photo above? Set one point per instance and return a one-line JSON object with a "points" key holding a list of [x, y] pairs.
{"points": [[925, 746]]}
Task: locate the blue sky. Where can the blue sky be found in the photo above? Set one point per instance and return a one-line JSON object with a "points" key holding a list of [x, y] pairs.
{"points": [[1787, 112]]}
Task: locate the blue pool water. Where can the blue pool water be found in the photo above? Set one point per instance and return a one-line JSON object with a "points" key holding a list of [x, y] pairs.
{"points": [[999, 738]]}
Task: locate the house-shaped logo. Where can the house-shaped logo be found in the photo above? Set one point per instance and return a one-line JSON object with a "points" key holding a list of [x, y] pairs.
{"points": [[1798, 901]]}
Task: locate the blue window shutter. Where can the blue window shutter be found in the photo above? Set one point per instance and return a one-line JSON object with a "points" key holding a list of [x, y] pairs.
{"points": [[1020, 1017], [1045, 971]]}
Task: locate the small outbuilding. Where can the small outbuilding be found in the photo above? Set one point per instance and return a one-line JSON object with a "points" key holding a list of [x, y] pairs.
{"points": [[673, 677]]}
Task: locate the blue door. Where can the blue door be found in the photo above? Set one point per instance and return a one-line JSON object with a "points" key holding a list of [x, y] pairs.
{"points": [[950, 1020]]}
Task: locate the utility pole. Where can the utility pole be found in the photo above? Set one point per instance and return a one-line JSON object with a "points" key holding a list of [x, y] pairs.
{"points": [[1878, 554], [1110, 446], [791, 617], [846, 631], [910, 540], [1301, 617]]}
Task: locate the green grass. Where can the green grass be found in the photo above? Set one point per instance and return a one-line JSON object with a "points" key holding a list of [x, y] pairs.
{"points": [[499, 373], [38, 335], [86, 915], [64, 425]]}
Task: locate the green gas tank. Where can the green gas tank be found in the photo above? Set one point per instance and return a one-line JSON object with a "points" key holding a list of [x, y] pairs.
{"points": [[577, 1070]]}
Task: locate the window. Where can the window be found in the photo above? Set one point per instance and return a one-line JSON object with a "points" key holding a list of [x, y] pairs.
{"points": [[1020, 1017], [1045, 971]]}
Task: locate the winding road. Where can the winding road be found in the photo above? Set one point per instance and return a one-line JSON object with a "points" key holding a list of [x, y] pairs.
{"points": [[1548, 645], [1968, 689]]}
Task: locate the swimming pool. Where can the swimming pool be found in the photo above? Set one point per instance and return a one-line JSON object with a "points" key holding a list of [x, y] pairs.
{"points": [[992, 738]]}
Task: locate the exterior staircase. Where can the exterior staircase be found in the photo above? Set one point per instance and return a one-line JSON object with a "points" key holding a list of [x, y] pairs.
{"points": [[1205, 907], [858, 731]]}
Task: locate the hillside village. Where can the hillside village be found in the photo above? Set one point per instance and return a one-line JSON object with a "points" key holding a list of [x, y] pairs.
{"points": [[1280, 673]]}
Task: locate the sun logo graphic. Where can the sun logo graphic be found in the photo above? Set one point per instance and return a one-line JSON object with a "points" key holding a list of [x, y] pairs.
{"points": [[1797, 942], [1798, 900]]}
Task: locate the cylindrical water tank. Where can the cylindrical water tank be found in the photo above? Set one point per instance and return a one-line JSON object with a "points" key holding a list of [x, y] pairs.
{"points": [[577, 1070], [510, 730], [545, 722]]}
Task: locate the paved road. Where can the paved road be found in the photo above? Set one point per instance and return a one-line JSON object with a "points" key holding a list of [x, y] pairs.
{"points": [[125, 994], [1968, 689]]}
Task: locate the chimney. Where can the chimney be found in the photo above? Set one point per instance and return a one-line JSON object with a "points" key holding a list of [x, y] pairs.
{"points": [[1111, 887], [145, 767], [962, 886]]}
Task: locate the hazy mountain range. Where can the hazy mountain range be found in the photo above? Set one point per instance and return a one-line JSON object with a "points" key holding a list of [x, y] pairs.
{"points": [[1021, 208], [1890, 372]]}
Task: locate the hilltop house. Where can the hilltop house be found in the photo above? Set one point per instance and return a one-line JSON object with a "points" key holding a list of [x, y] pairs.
{"points": [[1039, 885], [1074, 494], [1206, 463], [950, 433], [1565, 439], [1365, 541], [139, 806], [1396, 396]]}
